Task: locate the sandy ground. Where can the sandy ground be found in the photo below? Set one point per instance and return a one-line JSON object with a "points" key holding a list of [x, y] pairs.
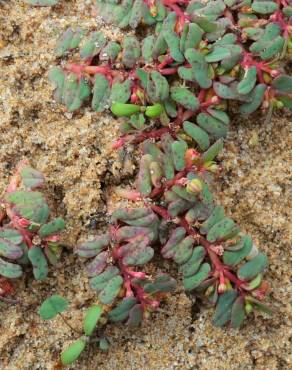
{"points": [[73, 151]]}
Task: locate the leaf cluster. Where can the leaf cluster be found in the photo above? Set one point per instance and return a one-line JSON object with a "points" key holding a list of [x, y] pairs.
{"points": [[27, 235]]}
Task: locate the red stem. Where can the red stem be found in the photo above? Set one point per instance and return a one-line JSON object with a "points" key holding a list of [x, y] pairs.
{"points": [[167, 184]]}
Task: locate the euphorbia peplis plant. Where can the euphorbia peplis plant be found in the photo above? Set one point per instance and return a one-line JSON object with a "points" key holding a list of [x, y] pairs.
{"points": [[171, 91], [26, 233]]}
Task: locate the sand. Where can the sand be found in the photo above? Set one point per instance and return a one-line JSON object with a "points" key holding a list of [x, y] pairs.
{"points": [[73, 152]]}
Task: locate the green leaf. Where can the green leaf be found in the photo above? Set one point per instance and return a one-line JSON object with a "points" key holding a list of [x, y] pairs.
{"points": [[283, 83], [154, 111], [212, 125], [111, 290], [213, 151], [224, 91], [99, 282], [147, 48], [233, 258], [220, 229], [192, 265], [259, 305], [287, 10], [72, 352], [57, 77], [121, 312], [131, 51], [217, 54], [136, 13], [144, 184], [196, 133], [92, 317], [173, 42], [184, 250], [101, 93], [257, 97], [103, 344], [135, 316], [42, 2], [110, 51], [183, 193], [176, 236], [224, 307], [93, 247], [248, 82], [9, 240], [163, 283], [53, 227], [10, 270], [39, 263], [92, 45], [31, 178], [139, 257], [120, 92], [237, 313], [264, 7], [157, 87], [184, 97], [286, 100], [75, 91], [192, 282], [216, 216], [68, 40], [52, 306], [253, 267], [178, 149], [193, 36]]}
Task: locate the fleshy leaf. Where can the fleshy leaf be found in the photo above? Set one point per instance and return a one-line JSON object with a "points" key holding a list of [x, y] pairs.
{"points": [[39, 263], [10, 270], [253, 267], [224, 308], [31, 178]]}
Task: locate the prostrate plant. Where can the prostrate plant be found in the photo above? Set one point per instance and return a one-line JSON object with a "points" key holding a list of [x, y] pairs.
{"points": [[224, 51], [217, 261], [117, 254], [26, 234], [172, 89]]}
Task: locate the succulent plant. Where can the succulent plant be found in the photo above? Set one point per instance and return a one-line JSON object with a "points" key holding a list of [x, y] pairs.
{"points": [[171, 91], [27, 235], [117, 254], [213, 59]]}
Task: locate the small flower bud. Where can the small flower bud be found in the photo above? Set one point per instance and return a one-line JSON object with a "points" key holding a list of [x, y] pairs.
{"points": [[194, 186], [279, 104], [23, 222], [153, 10], [222, 288], [248, 308], [267, 77], [211, 166], [274, 73]]}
